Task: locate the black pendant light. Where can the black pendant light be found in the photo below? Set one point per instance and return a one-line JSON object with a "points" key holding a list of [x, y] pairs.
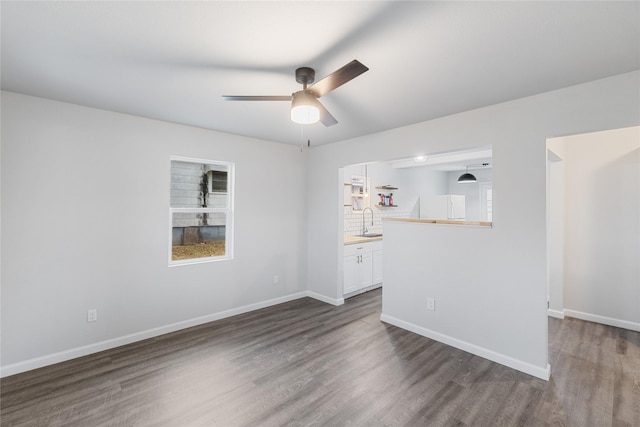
{"points": [[466, 177]]}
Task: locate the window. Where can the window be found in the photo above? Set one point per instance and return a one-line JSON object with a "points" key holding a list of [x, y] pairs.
{"points": [[486, 202], [200, 211]]}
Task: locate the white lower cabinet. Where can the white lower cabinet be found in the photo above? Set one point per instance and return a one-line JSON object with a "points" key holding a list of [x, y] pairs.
{"points": [[362, 266]]}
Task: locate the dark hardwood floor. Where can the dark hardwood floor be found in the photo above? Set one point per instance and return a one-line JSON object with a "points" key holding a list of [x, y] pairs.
{"points": [[309, 363]]}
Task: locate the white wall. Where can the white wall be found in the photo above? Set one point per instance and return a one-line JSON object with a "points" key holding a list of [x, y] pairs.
{"points": [[85, 198], [420, 181], [602, 226], [512, 319]]}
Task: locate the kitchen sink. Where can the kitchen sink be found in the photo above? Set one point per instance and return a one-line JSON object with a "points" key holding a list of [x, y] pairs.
{"points": [[371, 235]]}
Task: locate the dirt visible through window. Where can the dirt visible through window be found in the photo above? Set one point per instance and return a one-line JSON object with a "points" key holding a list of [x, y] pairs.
{"points": [[201, 250]]}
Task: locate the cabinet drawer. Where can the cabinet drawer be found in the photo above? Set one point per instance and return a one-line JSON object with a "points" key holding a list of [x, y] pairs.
{"points": [[359, 248]]}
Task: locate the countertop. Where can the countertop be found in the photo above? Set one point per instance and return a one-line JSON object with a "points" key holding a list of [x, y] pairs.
{"points": [[354, 240], [441, 221]]}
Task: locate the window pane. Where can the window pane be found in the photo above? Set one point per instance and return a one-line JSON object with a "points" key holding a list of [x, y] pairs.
{"points": [[201, 203], [185, 184], [218, 200], [197, 185], [198, 235]]}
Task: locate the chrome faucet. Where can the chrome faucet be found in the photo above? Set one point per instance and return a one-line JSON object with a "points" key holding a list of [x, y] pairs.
{"points": [[364, 229]]}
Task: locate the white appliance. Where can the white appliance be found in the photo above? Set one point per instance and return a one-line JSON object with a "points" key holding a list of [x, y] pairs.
{"points": [[449, 206]]}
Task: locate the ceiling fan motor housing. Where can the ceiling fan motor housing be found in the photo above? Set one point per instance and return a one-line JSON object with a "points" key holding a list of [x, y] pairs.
{"points": [[305, 76]]}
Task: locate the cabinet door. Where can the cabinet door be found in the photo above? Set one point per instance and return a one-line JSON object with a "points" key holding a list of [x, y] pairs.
{"points": [[347, 194], [365, 270], [351, 266], [377, 267]]}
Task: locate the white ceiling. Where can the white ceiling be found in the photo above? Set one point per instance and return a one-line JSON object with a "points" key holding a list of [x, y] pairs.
{"points": [[173, 60]]}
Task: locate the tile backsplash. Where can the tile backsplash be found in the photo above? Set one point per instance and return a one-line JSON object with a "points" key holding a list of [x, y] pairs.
{"points": [[353, 219]]}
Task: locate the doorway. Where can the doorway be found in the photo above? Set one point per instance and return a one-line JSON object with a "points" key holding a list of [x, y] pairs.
{"points": [[593, 227]]}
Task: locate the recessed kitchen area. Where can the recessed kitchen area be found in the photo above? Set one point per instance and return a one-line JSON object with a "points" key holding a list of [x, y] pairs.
{"points": [[449, 188]]}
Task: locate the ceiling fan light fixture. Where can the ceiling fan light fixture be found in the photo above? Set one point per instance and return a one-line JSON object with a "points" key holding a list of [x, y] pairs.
{"points": [[303, 110]]}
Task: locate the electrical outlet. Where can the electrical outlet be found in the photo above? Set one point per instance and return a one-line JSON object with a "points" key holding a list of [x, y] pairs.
{"points": [[276, 279], [92, 315], [431, 304]]}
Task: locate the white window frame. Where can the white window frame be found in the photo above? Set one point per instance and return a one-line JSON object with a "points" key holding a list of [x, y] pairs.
{"points": [[228, 210]]}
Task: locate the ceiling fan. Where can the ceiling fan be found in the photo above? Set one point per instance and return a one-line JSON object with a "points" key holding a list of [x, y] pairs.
{"points": [[305, 107]]}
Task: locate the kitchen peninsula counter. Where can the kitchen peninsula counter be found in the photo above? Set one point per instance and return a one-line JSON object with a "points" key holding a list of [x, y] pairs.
{"points": [[355, 240], [441, 221]]}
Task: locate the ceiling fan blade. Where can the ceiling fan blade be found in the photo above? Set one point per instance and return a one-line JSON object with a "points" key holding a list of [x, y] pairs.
{"points": [[325, 116], [257, 98], [339, 77]]}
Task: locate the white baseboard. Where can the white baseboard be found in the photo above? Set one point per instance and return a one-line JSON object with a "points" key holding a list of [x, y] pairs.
{"points": [[326, 299], [73, 353], [624, 324], [362, 291], [527, 368], [558, 314]]}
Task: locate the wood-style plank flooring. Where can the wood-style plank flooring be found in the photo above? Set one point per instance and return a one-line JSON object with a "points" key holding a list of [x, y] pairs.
{"points": [[308, 363]]}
